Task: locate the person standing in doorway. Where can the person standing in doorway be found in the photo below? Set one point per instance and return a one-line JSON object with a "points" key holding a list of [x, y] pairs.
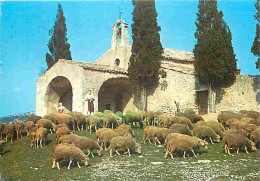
{"points": [[89, 102], [60, 108]]}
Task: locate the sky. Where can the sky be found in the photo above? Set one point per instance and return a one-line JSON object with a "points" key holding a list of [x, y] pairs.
{"points": [[24, 37]]}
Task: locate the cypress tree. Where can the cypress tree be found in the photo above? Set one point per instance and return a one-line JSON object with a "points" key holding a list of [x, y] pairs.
{"points": [[255, 49], [58, 44], [215, 62], [144, 67]]}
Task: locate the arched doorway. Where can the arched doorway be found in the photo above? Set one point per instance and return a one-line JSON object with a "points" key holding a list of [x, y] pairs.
{"points": [[116, 95], [59, 90]]}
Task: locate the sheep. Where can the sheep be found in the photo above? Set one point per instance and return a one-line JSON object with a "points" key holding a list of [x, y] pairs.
{"points": [[79, 119], [50, 117], [32, 135], [60, 126], [237, 140], [181, 144], [100, 131], [111, 119], [230, 121], [237, 125], [33, 118], [9, 131], [2, 142], [89, 144], [252, 114], [62, 131], [204, 132], [195, 118], [148, 133], [216, 127], [249, 128], [94, 122], [41, 134], [200, 123], [224, 116], [29, 125], [180, 128], [68, 138], [164, 119], [125, 142], [106, 138], [235, 131], [68, 152], [45, 123], [149, 117], [183, 120], [19, 126], [134, 118], [1, 129], [64, 118], [255, 136], [124, 126], [121, 132], [158, 134]]}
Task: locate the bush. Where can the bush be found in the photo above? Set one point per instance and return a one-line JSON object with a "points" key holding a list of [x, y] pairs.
{"points": [[189, 111]]}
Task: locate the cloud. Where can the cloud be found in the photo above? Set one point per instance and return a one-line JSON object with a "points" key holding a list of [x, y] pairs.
{"points": [[17, 89]]}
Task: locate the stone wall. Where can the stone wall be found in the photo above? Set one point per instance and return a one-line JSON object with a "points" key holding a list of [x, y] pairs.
{"points": [[179, 86], [244, 94]]}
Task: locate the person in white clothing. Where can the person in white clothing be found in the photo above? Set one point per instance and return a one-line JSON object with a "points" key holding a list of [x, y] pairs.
{"points": [[89, 103]]}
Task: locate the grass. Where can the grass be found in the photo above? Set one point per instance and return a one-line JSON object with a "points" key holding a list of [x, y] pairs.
{"points": [[21, 162]]}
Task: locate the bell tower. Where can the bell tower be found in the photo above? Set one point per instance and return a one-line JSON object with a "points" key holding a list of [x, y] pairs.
{"points": [[120, 36]]}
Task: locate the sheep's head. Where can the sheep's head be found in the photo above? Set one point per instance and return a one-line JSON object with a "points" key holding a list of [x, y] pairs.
{"points": [[84, 160], [99, 151], [2, 142], [253, 146], [218, 138], [204, 144], [138, 148]]}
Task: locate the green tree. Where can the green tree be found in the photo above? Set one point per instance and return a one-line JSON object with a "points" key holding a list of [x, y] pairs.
{"points": [[255, 49], [58, 44], [145, 64], [215, 62]]}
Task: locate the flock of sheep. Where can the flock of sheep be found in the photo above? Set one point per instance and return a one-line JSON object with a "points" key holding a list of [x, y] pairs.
{"points": [[183, 133]]}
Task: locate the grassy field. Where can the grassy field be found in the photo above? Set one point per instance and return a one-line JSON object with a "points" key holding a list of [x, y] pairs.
{"points": [[21, 162]]}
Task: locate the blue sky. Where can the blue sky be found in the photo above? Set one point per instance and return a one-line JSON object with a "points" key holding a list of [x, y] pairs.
{"points": [[25, 26]]}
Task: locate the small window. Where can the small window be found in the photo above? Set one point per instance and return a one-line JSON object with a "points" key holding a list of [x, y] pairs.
{"points": [[117, 62]]}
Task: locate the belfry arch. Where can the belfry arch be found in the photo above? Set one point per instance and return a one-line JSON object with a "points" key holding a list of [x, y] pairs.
{"points": [[59, 90], [116, 94]]}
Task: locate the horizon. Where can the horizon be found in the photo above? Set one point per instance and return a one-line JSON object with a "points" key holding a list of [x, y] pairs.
{"points": [[24, 38]]}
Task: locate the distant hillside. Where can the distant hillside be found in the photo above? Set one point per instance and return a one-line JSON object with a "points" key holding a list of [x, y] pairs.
{"points": [[21, 116]]}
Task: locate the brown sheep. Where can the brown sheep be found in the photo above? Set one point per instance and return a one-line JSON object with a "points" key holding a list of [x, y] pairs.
{"points": [[1, 129], [41, 134], [158, 134], [106, 138], [183, 120], [237, 140], [33, 118], [89, 144], [68, 138], [9, 131], [216, 126], [50, 117], [180, 128], [126, 142], [29, 125], [45, 123], [121, 131], [100, 131], [60, 126], [204, 132], [79, 119], [61, 131], [148, 133], [19, 126], [182, 144], [235, 131], [255, 136], [124, 126], [64, 118], [32, 135], [68, 152], [194, 118]]}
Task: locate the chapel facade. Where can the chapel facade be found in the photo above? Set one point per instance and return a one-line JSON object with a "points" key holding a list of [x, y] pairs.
{"points": [[68, 82]]}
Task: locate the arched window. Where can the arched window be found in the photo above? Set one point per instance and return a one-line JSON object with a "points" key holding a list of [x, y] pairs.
{"points": [[117, 62]]}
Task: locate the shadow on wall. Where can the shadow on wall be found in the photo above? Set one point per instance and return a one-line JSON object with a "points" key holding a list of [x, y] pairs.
{"points": [[256, 87]]}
